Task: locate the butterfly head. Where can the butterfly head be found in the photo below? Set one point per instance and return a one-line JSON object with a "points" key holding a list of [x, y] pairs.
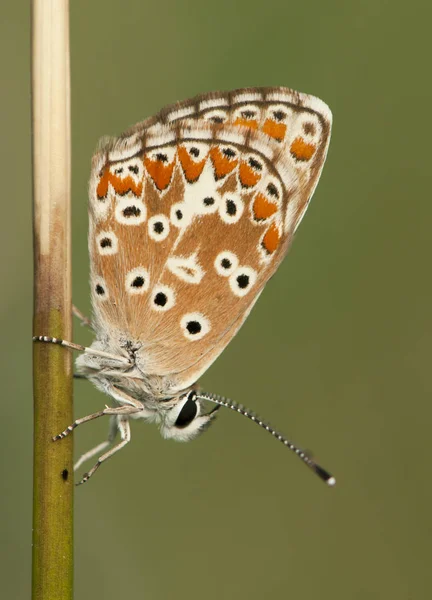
{"points": [[186, 418]]}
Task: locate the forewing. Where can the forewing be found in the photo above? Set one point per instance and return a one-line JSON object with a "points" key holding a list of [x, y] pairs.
{"points": [[300, 124], [190, 218]]}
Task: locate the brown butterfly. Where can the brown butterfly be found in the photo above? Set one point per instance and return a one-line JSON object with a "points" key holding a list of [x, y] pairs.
{"points": [[191, 212]]}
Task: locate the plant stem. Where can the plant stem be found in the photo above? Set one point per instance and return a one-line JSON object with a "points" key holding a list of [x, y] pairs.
{"points": [[52, 365]]}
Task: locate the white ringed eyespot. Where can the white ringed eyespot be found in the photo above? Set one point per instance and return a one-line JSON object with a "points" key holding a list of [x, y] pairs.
{"points": [[137, 281], [226, 263], [194, 326]]}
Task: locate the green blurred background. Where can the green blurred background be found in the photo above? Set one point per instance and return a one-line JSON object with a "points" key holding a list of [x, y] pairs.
{"points": [[336, 352]]}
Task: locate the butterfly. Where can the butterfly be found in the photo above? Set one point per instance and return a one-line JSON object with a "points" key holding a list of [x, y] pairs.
{"points": [[190, 214]]}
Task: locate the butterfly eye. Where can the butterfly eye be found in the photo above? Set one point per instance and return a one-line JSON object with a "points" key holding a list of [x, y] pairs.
{"points": [[187, 413]]}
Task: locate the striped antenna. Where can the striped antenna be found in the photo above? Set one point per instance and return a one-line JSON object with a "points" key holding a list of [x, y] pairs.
{"points": [[221, 401]]}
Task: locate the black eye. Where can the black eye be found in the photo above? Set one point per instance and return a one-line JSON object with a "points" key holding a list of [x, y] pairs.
{"points": [[187, 414]]}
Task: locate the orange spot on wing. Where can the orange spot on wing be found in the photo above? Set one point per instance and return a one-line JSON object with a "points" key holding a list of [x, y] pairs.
{"points": [[160, 172], [301, 150], [248, 177], [191, 169], [251, 123], [275, 130], [102, 188], [222, 164], [124, 185], [262, 208], [271, 239], [121, 185]]}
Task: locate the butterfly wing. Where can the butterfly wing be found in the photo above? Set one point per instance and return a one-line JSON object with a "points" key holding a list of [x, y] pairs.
{"points": [[191, 212], [299, 123]]}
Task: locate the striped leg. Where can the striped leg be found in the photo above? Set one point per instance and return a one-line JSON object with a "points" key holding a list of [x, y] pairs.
{"points": [[118, 410], [52, 340], [100, 447], [124, 428]]}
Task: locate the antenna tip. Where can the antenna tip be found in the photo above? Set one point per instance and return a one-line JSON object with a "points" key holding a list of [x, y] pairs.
{"points": [[324, 475]]}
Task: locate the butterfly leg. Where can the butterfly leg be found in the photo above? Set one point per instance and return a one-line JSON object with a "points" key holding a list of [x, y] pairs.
{"points": [[124, 428], [100, 447], [52, 340], [81, 316], [129, 406], [118, 410]]}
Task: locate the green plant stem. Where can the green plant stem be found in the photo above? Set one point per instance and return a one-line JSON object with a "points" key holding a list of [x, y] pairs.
{"points": [[52, 365]]}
